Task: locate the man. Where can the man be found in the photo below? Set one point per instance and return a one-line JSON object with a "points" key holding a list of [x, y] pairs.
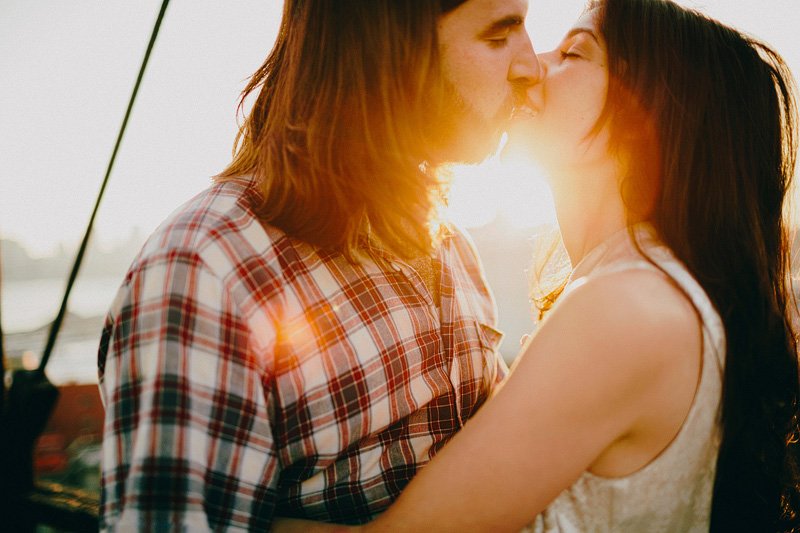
{"points": [[301, 337]]}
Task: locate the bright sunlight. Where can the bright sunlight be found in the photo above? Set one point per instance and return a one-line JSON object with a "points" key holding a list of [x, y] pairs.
{"points": [[507, 186]]}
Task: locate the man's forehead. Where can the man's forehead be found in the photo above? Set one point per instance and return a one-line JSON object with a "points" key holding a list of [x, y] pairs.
{"points": [[495, 9]]}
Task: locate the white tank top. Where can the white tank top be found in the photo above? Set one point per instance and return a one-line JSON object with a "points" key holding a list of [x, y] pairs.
{"points": [[673, 492]]}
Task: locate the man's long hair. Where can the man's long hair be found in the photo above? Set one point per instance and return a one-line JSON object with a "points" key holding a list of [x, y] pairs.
{"points": [[345, 128], [722, 107]]}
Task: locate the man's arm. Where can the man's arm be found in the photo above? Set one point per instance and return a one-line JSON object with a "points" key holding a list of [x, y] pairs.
{"points": [[187, 440]]}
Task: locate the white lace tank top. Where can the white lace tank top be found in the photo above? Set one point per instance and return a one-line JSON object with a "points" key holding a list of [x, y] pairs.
{"points": [[673, 492]]}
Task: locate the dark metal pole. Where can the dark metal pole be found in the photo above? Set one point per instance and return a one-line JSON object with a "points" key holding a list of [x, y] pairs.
{"points": [[62, 311], [31, 396]]}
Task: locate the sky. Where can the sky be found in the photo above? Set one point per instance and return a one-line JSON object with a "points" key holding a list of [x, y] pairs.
{"points": [[69, 68]]}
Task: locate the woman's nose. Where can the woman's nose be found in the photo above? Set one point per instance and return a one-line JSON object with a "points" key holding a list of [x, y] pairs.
{"points": [[546, 60]]}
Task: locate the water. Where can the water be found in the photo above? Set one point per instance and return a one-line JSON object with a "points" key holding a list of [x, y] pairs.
{"points": [[74, 362], [30, 304]]}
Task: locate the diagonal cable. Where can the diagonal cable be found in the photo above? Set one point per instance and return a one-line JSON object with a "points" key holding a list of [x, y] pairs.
{"points": [[56, 325]]}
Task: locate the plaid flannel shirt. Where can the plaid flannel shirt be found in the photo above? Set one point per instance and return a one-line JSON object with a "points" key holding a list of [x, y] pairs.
{"points": [[246, 374]]}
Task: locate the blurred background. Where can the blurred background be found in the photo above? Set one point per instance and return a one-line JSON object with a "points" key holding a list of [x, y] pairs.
{"points": [[69, 68]]}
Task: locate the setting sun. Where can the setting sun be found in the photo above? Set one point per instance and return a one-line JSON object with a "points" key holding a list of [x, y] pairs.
{"points": [[507, 186]]}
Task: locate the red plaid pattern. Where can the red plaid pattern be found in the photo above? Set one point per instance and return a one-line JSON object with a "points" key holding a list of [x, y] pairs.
{"points": [[246, 374]]}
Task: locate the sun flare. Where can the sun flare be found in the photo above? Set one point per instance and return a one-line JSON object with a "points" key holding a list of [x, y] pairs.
{"points": [[506, 186]]}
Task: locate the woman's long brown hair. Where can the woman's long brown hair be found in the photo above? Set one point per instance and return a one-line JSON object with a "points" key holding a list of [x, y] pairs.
{"points": [[344, 129], [724, 111]]}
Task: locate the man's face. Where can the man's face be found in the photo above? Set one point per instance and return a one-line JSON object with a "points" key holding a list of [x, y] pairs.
{"points": [[489, 63]]}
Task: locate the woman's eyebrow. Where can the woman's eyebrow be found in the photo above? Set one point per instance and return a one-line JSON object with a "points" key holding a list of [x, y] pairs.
{"points": [[576, 31]]}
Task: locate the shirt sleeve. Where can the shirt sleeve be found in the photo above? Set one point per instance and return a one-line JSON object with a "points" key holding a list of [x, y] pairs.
{"points": [[187, 439]]}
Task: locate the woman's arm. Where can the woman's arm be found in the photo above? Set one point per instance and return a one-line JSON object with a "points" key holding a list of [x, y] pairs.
{"points": [[595, 371], [600, 369]]}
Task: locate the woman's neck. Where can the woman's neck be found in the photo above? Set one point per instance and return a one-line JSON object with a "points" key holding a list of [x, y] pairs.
{"points": [[588, 212]]}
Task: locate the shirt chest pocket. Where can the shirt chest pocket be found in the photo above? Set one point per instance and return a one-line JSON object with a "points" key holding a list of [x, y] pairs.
{"points": [[476, 366], [491, 361]]}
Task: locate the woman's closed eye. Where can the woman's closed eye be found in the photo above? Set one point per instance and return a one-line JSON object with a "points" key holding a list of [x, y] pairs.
{"points": [[571, 53]]}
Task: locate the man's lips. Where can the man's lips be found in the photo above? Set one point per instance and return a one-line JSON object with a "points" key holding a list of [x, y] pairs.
{"points": [[525, 110]]}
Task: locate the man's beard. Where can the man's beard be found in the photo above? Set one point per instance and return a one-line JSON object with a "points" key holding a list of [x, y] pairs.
{"points": [[464, 134]]}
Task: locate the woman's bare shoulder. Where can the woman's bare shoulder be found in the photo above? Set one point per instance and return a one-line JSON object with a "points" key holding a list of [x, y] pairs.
{"points": [[643, 309]]}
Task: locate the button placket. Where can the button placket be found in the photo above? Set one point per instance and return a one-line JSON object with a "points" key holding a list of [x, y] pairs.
{"points": [[455, 381]]}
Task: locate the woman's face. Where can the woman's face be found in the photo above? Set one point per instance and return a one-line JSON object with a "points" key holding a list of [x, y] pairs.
{"points": [[569, 100]]}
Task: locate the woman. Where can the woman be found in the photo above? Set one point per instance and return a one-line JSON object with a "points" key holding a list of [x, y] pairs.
{"points": [[660, 393]]}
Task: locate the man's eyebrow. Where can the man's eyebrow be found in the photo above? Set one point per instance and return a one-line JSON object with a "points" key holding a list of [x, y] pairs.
{"points": [[576, 31], [503, 24]]}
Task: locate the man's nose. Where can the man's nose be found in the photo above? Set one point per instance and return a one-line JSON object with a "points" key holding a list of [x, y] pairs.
{"points": [[525, 68]]}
